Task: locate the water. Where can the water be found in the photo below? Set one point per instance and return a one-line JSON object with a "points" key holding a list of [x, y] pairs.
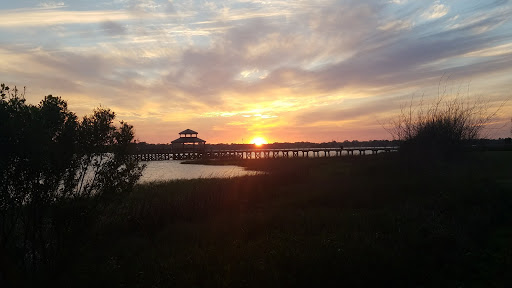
{"points": [[173, 170]]}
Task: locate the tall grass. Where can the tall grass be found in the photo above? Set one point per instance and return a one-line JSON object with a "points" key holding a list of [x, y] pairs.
{"points": [[442, 127], [359, 221], [356, 221]]}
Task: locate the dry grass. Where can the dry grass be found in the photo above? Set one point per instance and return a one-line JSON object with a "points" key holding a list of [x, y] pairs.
{"points": [[357, 221], [444, 126]]}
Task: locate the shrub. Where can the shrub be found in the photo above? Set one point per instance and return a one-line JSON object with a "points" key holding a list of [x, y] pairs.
{"points": [[52, 163], [443, 128]]}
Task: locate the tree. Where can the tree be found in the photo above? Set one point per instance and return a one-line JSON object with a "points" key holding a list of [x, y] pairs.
{"points": [[50, 159]]}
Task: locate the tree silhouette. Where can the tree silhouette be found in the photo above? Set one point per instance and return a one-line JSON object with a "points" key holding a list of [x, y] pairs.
{"points": [[50, 158]]}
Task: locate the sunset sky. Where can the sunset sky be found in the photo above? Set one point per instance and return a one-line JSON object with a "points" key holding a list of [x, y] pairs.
{"points": [[234, 70]]}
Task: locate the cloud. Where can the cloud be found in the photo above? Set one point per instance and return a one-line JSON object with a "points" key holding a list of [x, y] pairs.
{"points": [[76, 65], [112, 28], [312, 64], [397, 1], [35, 17], [437, 10], [397, 25], [492, 51], [353, 110], [51, 5], [481, 23]]}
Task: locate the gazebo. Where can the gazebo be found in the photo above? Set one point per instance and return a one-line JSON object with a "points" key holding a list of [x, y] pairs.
{"points": [[187, 142]]}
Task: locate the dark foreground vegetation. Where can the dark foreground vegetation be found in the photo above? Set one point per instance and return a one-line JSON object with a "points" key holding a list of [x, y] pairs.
{"points": [[351, 221], [57, 173]]}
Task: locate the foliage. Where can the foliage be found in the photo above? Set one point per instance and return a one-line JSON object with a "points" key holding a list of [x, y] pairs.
{"points": [[443, 127], [49, 158], [360, 221]]}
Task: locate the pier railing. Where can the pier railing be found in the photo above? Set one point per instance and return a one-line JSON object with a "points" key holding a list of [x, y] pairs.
{"points": [[154, 155]]}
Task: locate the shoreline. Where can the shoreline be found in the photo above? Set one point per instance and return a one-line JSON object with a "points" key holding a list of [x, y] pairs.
{"points": [[312, 222]]}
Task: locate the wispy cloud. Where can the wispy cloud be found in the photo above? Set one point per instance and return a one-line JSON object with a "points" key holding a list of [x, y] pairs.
{"points": [[38, 17], [296, 69], [397, 25], [51, 5], [437, 10], [505, 49]]}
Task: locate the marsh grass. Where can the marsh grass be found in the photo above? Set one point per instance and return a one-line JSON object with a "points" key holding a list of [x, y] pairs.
{"points": [[443, 127], [353, 221]]}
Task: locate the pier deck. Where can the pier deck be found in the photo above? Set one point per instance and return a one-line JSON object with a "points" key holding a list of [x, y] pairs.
{"points": [[258, 153]]}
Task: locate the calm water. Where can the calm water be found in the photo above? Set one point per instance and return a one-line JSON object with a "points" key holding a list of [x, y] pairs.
{"points": [[172, 169]]}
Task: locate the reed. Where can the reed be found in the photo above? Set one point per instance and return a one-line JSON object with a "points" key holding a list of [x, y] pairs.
{"points": [[355, 221]]}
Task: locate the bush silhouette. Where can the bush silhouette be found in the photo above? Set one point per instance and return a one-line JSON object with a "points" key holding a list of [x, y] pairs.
{"points": [[49, 161], [443, 128]]}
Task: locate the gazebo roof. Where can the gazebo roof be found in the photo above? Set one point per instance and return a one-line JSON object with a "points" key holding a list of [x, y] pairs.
{"points": [[188, 131], [188, 140]]}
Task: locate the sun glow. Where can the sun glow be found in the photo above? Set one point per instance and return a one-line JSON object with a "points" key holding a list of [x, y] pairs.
{"points": [[258, 141]]}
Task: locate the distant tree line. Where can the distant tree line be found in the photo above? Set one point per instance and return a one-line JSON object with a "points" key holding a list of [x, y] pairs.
{"points": [[143, 146], [148, 147], [54, 169]]}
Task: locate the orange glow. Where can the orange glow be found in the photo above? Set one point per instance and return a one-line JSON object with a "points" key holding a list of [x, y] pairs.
{"points": [[258, 141]]}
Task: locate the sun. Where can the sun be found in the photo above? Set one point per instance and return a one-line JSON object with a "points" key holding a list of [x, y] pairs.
{"points": [[258, 141]]}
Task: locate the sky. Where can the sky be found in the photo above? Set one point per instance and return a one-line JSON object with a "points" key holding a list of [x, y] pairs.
{"points": [[234, 70]]}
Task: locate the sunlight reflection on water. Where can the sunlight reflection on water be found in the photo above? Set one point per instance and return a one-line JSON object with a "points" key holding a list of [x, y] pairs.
{"points": [[172, 170]]}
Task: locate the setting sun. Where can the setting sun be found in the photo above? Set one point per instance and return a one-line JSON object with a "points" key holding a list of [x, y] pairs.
{"points": [[258, 141]]}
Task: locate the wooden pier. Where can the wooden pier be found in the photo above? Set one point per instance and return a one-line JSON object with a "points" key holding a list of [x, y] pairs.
{"points": [[258, 153]]}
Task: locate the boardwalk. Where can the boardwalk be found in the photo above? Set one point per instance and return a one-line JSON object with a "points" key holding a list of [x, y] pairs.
{"points": [[259, 153]]}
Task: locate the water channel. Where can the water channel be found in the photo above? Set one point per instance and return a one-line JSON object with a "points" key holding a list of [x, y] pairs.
{"points": [[173, 170]]}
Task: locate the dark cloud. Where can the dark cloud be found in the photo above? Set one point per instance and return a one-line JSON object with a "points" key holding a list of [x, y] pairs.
{"points": [[79, 66], [113, 28], [350, 110]]}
